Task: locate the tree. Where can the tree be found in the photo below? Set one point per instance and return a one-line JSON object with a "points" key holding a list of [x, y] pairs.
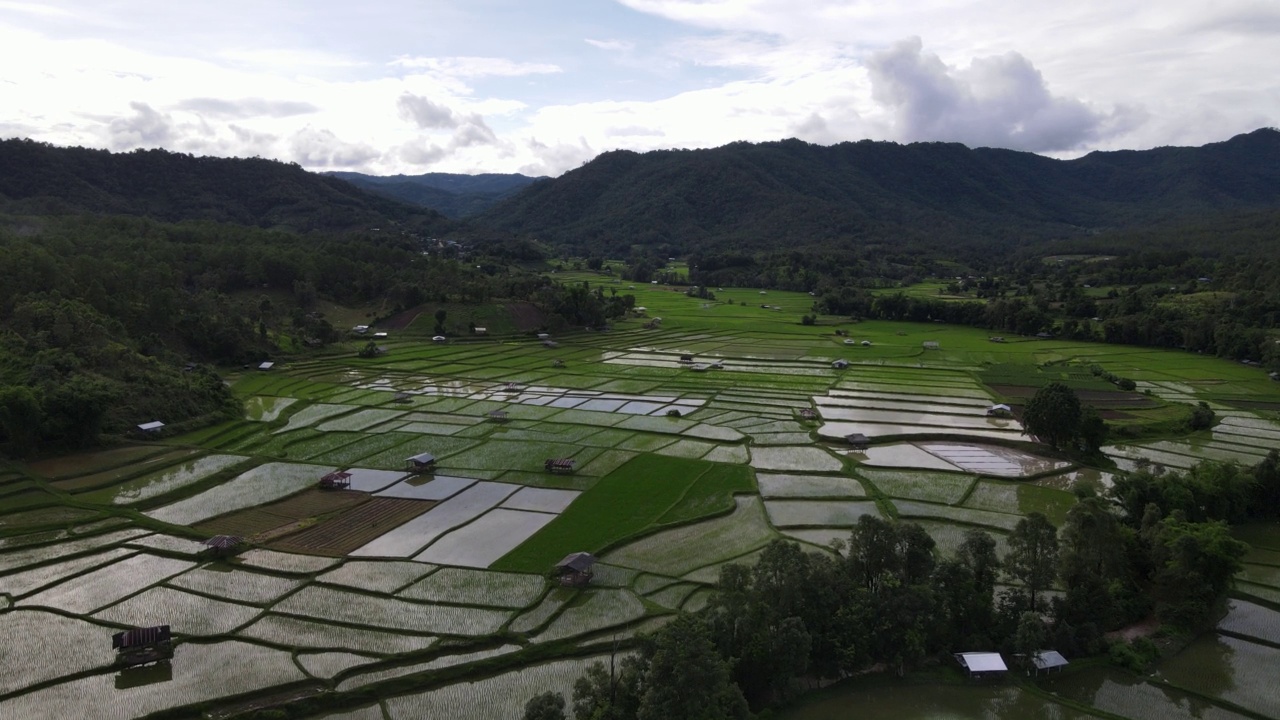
{"points": [[1202, 417], [1093, 430], [547, 706], [1195, 564], [613, 692], [1053, 415], [1029, 639], [687, 678], [440, 317], [1033, 555]]}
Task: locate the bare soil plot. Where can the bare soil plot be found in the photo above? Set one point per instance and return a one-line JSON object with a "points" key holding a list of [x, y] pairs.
{"points": [[354, 528], [1098, 398], [307, 504]]}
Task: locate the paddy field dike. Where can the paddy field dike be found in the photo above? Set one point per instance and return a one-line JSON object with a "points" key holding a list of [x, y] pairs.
{"points": [[696, 441]]}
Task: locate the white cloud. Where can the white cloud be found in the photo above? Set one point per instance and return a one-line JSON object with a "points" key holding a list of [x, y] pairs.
{"points": [[468, 67], [611, 45]]}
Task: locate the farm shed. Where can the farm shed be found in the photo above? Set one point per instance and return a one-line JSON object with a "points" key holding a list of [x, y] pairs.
{"points": [[401, 397], [808, 414], [982, 664], [840, 364], [481, 331], [686, 358], [380, 334], [150, 427], [866, 343], [931, 345], [360, 329], [858, 440], [143, 645], [1048, 660], [559, 465], [498, 415], [544, 336], [422, 462], [266, 365], [550, 343], [337, 480], [850, 341], [1000, 410], [510, 387], [222, 545], [438, 338], [575, 569]]}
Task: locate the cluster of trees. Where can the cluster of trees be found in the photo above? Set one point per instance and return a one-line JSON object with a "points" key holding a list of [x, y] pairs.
{"points": [[1055, 416], [100, 315], [1154, 544]]}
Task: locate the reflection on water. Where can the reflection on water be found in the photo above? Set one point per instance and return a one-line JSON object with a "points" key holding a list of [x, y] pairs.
{"points": [[934, 702], [161, 672]]}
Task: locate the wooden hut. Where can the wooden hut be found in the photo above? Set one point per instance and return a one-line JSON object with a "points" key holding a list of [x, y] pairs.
{"points": [[550, 343], [422, 462], [840, 364], [1000, 410], [510, 387], [140, 646], [808, 414], [498, 416], [931, 345], [401, 397], [575, 569], [982, 664], [338, 480], [559, 466], [686, 359], [858, 441], [557, 363]]}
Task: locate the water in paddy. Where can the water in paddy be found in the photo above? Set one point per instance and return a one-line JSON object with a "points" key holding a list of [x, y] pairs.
{"points": [[934, 702]]}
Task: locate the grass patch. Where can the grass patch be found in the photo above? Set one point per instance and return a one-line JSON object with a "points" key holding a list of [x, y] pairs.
{"points": [[711, 494], [623, 503]]}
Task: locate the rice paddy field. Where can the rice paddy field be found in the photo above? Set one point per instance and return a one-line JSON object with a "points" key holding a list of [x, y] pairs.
{"points": [[424, 590]]}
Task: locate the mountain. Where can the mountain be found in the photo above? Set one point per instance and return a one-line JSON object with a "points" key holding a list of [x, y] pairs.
{"points": [[794, 195], [38, 179], [450, 194]]}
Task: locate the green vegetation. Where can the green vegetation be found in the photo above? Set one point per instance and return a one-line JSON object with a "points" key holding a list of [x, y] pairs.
{"points": [[621, 504]]}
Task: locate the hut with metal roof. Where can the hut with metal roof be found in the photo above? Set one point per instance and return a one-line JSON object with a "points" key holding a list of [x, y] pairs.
{"points": [[559, 466], [808, 414], [575, 569], [982, 664], [143, 645], [422, 462], [498, 416], [840, 364], [402, 397], [337, 480], [222, 545], [1048, 661]]}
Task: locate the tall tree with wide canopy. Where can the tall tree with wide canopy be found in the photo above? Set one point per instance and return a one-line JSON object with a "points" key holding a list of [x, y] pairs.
{"points": [[1053, 415], [1033, 555]]}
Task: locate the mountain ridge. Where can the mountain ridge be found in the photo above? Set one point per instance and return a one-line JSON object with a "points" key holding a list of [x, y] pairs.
{"points": [[777, 194]]}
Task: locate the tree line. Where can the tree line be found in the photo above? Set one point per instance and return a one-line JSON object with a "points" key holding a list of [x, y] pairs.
{"points": [[1155, 544]]}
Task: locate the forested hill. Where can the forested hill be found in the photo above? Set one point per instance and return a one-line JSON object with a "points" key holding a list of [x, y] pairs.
{"points": [[40, 179], [791, 194], [451, 194]]}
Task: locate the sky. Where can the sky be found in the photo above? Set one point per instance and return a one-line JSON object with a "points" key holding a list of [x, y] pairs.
{"points": [[542, 86]]}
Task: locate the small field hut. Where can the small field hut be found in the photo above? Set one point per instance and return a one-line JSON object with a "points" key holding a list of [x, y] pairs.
{"points": [[422, 462], [982, 664], [575, 569], [401, 397], [266, 365], [148, 428], [840, 364], [1048, 661], [143, 645], [498, 416], [1000, 410], [931, 345], [808, 414], [559, 466], [858, 441], [222, 545], [337, 480]]}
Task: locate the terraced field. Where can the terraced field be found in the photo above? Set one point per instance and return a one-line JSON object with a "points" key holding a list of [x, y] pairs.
{"points": [[677, 472]]}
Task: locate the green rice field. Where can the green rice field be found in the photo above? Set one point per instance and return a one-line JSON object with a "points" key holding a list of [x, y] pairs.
{"points": [[415, 594]]}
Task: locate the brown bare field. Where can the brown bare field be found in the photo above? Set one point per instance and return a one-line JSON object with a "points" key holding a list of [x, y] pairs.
{"points": [[349, 530], [73, 465], [307, 504]]}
